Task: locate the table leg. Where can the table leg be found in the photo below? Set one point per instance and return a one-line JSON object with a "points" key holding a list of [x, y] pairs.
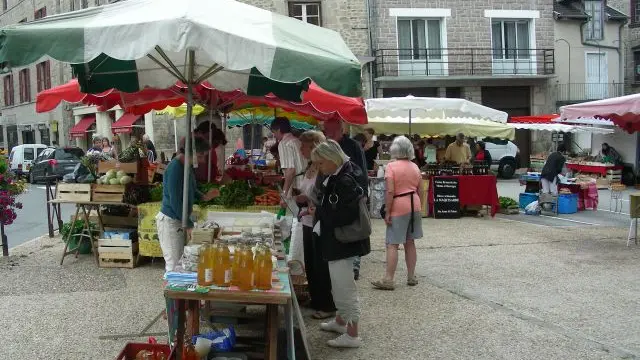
{"points": [[101, 229], [288, 318], [271, 348], [87, 227], [66, 242], [193, 317], [180, 328]]}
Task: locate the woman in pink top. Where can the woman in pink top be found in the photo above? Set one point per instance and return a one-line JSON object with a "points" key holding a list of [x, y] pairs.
{"points": [[403, 211]]}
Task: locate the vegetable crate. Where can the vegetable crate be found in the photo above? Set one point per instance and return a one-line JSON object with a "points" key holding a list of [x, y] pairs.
{"points": [[73, 192], [137, 170], [204, 236], [107, 193], [115, 253]]}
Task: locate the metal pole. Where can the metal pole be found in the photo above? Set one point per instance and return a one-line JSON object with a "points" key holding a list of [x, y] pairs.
{"points": [[568, 67], [5, 243], [409, 122], [187, 142], [175, 135]]}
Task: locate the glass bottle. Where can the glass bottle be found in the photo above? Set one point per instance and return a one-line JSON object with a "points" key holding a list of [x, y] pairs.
{"points": [[246, 269], [235, 264], [222, 271], [263, 267], [205, 269]]}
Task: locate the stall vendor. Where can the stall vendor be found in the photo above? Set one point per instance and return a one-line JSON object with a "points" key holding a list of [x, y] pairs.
{"points": [[610, 155], [217, 138], [169, 220], [458, 151], [553, 167], [482, 154]]}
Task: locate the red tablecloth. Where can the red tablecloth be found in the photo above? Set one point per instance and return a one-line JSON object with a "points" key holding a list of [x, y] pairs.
{"points": [[593, 169], [473, 190]]}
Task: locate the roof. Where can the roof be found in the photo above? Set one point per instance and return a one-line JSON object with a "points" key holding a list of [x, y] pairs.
{"points": [[124, 123], [571, 9], [83, 126]]}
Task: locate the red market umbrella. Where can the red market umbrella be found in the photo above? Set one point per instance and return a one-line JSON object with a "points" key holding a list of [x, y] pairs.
{"points": [[624, 111], [138, 103]]}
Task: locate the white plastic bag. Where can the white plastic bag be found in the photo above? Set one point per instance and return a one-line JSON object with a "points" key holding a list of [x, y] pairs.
{"points": [[296, 246], [532, 209]]}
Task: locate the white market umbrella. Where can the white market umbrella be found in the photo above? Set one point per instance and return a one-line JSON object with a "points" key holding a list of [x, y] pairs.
{"points": [[410, 109], [135, 44]]}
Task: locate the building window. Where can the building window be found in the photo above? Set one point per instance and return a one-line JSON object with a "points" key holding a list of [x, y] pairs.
{"points": [[40, 13], [635, 12], [72, 5], [307, 12], [25, 86], [98, 2], [636, 67], [43, 72], [510, 39], [5, 5], [418, 38], [8, 91], [84, 4], [595, 10]]}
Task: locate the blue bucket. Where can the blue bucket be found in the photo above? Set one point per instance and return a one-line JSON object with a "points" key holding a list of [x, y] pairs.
{"points": [[567, 203], [526, 199]]}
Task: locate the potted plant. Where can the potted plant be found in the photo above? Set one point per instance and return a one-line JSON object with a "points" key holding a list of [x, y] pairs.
{"points": [[508, 206], [73, 232]]}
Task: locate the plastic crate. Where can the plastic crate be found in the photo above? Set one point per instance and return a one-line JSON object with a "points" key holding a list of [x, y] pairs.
{"points": [[567, 203], [526, 199], [131, 349]]}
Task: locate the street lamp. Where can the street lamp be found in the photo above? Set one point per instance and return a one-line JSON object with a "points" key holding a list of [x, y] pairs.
{"points": [[569, 67]]}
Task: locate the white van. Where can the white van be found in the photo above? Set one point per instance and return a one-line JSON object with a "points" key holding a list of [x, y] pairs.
{"points": [[22, 156]]}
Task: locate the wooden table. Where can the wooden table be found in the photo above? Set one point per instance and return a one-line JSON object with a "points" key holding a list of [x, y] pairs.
{"points": [[189, 301], [84, 208]]}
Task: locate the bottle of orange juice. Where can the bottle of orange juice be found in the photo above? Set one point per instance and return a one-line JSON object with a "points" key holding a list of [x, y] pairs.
{"points": [[263, 268], [246, 269], [235, 263], [205, 268], [222, 270]]}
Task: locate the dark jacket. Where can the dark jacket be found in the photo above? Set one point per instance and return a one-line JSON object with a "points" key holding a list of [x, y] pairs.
{"points": [[343, 213], [356, 154], [553, 166]]}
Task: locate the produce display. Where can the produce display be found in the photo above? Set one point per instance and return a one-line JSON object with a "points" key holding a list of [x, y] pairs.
{"points": [[507, 202], [115, 178], [269, 198]]}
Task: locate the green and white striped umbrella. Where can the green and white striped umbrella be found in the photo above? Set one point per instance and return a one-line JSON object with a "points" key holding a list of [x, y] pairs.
{"points": [[134, 44]]}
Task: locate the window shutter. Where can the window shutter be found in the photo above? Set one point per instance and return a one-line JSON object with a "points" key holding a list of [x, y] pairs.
{"points": [[28, 81], [290, 5], [39, 76], [47, 76], [6, 90]]}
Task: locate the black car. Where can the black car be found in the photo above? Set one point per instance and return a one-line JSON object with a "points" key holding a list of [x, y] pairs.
{"points": [[55, 161]]}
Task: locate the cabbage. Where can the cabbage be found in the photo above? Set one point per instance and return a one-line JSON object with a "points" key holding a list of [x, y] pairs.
{"points": [[120, 174], [125, 180], [114, 181], [110, 174]]}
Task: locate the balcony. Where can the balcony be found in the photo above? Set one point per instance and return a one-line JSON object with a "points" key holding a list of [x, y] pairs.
{"points": [[463, 62], [580, 92]]}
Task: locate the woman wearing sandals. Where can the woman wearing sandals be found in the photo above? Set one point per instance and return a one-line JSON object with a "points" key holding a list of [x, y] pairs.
{"points": [[403, 211], [338, 206], [316, 266]]}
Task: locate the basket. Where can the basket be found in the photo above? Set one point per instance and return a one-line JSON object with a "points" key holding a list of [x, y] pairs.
{"points": [[204, 236], [299, 282], [131, 350]]}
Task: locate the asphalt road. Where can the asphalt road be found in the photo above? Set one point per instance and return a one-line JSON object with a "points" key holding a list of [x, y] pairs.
{"points": [[32, 219]]}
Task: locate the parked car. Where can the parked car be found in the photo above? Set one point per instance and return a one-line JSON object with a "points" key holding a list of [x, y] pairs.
{"points": [[505, 156], [55, 161], [22, 156]]}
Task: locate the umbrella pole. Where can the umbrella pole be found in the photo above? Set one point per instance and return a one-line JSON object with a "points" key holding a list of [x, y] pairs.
{"points": [[175, 135], [212, 151], [187, 142], [409, 122]]}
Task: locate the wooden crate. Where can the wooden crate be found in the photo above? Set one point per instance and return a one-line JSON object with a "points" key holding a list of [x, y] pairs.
{"points": [[73, 192], [129, 168], [107, 193], [117, 253], [120, 221]]}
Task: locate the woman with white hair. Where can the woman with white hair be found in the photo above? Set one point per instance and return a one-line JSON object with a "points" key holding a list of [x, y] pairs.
{"points": [[403, 211], [338, 206]]}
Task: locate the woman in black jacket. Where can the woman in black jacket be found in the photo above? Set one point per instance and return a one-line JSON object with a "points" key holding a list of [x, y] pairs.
{"points": [[338, 206]]}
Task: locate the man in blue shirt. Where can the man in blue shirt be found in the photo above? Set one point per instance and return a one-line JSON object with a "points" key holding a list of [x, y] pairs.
{"points": [[169, 220]]}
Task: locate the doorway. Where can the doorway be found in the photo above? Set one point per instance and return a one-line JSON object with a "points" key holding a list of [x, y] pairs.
{"points": [[596, 76]]}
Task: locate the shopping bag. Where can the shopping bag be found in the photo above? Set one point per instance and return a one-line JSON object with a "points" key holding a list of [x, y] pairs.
{"points": [[296, 247]]}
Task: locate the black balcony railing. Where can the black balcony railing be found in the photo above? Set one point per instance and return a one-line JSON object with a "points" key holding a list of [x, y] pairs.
{"points": [[463, 62], [580, 92]]}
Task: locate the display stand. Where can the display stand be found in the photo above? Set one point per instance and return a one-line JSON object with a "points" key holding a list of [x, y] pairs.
{"points": [[53, 210]]}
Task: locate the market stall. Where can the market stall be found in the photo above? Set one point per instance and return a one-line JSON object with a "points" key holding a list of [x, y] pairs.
{"points": [[450, 188]]}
